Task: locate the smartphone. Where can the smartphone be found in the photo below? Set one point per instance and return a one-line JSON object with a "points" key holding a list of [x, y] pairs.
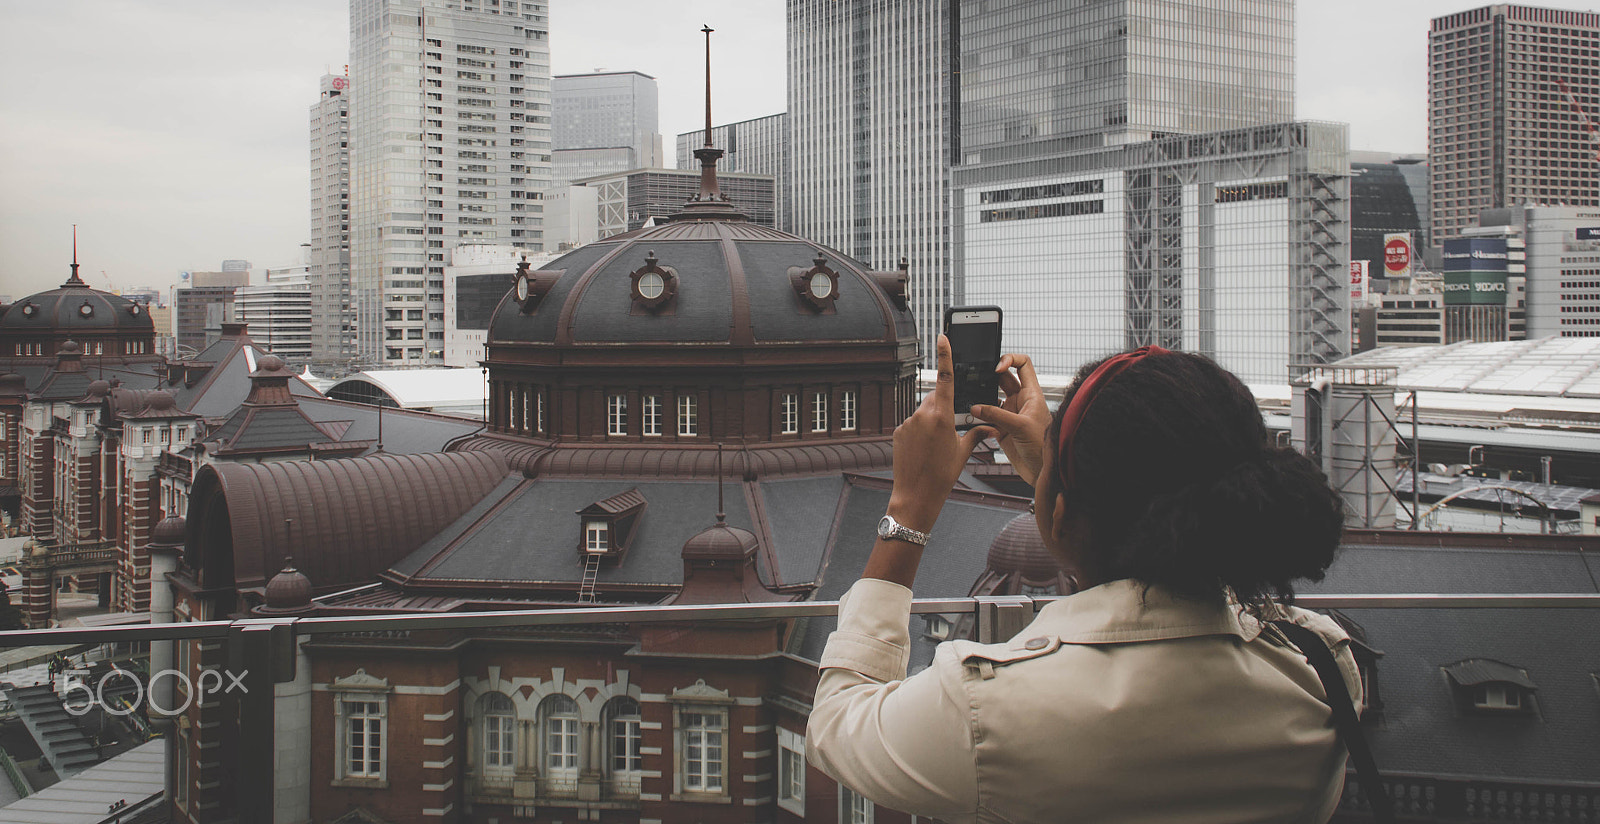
{"points": [[974, 333]]}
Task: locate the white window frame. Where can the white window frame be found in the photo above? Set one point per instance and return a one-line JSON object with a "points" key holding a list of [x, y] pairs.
{"points": [[624, 738], [688, 416], [597, 536], [498, 726], [652, 415], [855, 808], [819, 412], [538, 396], [560, 724], [374, 708], [789, 421], [847, 410], [792, 771], [702, 733], [616, 415], [1497, 697]]}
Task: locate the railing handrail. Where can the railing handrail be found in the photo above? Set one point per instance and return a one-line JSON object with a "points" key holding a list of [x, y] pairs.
{"points": [[707, 612]]}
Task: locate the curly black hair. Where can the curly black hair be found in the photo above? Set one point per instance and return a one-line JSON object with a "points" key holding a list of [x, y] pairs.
{"points": [[1181, 487]]}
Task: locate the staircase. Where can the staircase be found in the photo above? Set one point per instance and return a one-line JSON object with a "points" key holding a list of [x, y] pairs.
{"points": [[57, 734], [591, 571]]}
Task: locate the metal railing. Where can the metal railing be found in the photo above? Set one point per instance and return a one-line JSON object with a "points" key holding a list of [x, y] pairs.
{"points": [[265, 649], [989, 611]]}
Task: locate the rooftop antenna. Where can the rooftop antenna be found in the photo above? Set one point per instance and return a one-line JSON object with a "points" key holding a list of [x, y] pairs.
{"points": [[707, 154], [722, 517]]}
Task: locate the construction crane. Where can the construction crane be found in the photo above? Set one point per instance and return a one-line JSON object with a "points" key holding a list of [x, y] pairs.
{"points": [[1594, 133]]}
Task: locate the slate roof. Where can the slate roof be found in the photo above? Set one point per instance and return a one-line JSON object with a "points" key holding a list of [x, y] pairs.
{"points": [[526, 534], [1423, 732], [740, 298], [404, 432], [267, 429]]}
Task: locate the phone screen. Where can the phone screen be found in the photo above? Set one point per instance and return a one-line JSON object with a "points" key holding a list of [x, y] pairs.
{"points": [[974, 352]]}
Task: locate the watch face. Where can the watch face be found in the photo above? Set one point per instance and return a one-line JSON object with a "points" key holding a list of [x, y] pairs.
{"points": [[885, 526], [651, 285], [821, 285], [522, 289]]}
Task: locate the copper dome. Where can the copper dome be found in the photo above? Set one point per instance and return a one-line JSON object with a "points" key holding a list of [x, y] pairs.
{"points": [[723, 281], [1019, 549], [718, 542], [288, 592], [169, 533], [74, 306]]}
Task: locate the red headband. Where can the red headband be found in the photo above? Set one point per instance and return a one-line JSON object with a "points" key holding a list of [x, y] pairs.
{"points": [[1081, 400]]}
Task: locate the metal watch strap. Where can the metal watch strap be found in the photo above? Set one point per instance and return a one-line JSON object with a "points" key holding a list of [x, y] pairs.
{"points": [[899, 531]]}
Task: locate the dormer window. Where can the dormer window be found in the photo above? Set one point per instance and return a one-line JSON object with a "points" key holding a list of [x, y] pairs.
{"points": [[1483, 686], [608, 526], [1496, 697]]}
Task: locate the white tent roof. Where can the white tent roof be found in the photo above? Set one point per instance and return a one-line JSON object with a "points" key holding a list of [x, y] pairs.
{"points": [[426, 388]]}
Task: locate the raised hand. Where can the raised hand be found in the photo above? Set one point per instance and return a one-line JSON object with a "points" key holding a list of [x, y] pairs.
{"points": [[1021, 419]]}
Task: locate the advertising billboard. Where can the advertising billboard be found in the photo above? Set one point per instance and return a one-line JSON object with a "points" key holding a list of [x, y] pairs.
{"points": [[1358, 282], [1475, 271], [1397, 255]]}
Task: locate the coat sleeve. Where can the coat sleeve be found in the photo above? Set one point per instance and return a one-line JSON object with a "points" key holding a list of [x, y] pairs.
{"points": [[905, 743]]}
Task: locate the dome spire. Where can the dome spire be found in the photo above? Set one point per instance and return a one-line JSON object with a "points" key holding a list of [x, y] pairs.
{"points": [[75, 280], [710, 202]]}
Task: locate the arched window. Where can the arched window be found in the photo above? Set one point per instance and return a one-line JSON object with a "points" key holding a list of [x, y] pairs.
{"points": [[499, 718], [559, 722], [622, 745]]}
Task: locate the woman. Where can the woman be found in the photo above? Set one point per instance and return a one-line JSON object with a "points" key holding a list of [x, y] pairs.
{"points": [[1154, 693]]}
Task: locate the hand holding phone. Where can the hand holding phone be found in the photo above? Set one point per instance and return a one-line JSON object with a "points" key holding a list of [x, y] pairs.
{"points": [[974, 333]]}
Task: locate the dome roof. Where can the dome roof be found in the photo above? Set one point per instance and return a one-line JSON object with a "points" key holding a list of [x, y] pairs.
{"points": [[1019, 549], [169, 533], [727, 281], [74, 307], [720, 541], [289, 591]]}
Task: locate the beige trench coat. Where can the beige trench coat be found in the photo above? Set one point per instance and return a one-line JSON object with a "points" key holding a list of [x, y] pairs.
{"points": [[1113, 705]]}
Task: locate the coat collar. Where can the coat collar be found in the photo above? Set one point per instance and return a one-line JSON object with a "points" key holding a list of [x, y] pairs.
{"points": [[1126, 610]]}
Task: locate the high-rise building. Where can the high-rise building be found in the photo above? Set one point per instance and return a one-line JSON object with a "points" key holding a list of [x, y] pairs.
{"points": [[333, 324], [759, 146], [630, 201], [279, 313], [871, 113], [604, 122], [1233, 244], [1512, 115], [450, 132], [877, 121], [1388, 195], [200, 309]]}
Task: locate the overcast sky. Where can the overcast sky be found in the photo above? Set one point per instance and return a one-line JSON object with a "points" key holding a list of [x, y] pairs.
{"points": [[174, 132]]}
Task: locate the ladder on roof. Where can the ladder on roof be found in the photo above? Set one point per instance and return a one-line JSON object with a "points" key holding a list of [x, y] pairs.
{"points": [[591, 571]]}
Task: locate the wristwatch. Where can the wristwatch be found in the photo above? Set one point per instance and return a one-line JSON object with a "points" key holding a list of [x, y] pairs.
{"points": [[891, 530]]}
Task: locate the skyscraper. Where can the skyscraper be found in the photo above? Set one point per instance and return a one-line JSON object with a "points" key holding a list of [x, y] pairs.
{"points": [[605, 122], [1512, 115], [333, 324], [450, 132], [885, 98], [871, 116], [1130, 174]]}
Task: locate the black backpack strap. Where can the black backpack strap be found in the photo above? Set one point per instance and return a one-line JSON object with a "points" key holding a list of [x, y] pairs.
{"points": [[1344, 715]]}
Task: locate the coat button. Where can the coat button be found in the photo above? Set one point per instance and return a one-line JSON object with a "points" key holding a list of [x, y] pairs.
{"points": [[1037, 643]]}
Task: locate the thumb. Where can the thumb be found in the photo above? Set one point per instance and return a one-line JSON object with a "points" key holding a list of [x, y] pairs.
{"points": [[1004, 420], [975, 436]]}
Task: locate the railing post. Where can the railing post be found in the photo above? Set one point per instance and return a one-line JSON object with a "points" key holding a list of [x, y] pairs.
{"points": [[1001, 617], [261, 654]]}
